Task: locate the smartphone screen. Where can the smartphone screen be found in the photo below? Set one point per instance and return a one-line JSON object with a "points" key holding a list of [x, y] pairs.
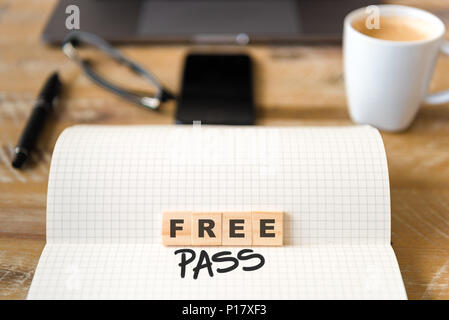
{"points": [[216, 89]]}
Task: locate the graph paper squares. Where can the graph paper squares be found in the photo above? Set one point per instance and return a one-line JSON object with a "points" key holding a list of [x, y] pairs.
{"points": [[108, 186]]}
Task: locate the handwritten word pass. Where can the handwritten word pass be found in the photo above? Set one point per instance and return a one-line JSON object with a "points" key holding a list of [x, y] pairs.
{"points": [[185, 228]]}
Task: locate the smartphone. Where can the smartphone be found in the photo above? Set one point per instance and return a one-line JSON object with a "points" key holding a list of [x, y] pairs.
{"points": [[216, 89]]}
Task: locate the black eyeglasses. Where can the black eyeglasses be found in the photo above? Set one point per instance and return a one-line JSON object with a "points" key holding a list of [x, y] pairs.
{"points": [[79, 38]]}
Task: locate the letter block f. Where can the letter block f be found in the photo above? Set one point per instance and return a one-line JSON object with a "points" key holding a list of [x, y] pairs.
{"points": [[176, 228]]}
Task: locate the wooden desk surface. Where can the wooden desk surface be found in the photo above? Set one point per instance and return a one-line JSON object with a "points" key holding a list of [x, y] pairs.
{"points": [[295, 86]]}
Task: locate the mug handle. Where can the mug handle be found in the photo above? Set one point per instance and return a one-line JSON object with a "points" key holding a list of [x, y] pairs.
{"points": [[442, 96]]}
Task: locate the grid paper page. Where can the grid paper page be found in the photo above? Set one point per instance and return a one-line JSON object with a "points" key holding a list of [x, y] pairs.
{"points": [[108, 188], [150, 271]]}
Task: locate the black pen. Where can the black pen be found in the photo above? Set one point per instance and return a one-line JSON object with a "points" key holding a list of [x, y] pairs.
{"points": [[42, 109]]}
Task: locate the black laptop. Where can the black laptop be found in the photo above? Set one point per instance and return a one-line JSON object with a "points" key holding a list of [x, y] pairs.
{"points": [[205, 21]]}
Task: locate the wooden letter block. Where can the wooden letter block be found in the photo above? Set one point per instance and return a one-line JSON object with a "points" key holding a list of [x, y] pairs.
{"points": [[237, 229], [176, 228], [206, 228], [267, 228]]}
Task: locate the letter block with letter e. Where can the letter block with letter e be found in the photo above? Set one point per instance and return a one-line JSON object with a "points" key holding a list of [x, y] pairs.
{"points": [[267, 228], [176, 228], [237, 229]]}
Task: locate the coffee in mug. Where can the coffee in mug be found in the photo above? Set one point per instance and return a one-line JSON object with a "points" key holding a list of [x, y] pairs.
{"points": [[396, 28], [388, 70]]}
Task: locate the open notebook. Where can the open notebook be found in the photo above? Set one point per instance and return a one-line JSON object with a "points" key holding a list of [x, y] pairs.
{"points": [[109, 185]]}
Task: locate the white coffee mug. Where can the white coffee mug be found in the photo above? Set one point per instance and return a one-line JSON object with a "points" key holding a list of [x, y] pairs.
{"points": [[386, 81]]}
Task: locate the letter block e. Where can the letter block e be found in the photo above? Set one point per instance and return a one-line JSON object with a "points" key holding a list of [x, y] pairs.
{"points": [[267, 228]]}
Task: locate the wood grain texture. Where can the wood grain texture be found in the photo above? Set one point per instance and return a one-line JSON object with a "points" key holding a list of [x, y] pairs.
{"points": [[294, 86]]}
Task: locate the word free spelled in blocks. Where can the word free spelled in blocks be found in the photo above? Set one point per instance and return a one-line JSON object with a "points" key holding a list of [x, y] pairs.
{"points": [[185, 228]]}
